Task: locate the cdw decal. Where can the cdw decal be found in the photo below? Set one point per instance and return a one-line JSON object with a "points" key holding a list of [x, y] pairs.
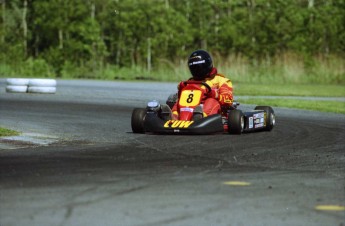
{"points": [[177, 124]]}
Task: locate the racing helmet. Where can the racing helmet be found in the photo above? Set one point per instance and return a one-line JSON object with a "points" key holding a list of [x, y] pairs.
{"points": [[200, 64]]}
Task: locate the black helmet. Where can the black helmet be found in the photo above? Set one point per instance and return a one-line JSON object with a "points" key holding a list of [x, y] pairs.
{"points": [[200, 64]]}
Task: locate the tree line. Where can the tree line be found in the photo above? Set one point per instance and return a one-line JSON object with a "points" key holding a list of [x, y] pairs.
{"points": [[147, 33]]}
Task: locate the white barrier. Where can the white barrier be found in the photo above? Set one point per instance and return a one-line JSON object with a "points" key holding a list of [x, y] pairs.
{"points": [[17, 81], [41, 89], [16, 89], [23, 85], [42, 82]]}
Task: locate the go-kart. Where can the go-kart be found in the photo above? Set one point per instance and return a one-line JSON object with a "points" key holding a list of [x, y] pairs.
{"points": [[157, 118]]}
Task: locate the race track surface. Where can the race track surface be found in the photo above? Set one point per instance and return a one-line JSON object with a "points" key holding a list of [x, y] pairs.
{"points": [[78, 163]]}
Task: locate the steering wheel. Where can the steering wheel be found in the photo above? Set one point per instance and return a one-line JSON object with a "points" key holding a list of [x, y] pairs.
{"points": [[208, 88]]}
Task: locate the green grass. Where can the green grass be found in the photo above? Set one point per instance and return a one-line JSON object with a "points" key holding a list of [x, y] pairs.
{"points": [[285, 68], [286, 76], [7, 132], [277, 90], [324, 106], [289, 90]]}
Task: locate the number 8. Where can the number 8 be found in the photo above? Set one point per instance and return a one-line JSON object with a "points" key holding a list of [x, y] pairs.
{"points": [[190, 98]]}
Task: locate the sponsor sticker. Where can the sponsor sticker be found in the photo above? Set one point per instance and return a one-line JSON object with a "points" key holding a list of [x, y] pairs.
{"points": [[198, 62], [259, 120], [187, 109], [251, 124], [259, 125], [177, 124], [259, 115]]}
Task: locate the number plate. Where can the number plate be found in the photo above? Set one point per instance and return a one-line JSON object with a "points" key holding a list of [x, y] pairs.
{"points": [[190, 97]]}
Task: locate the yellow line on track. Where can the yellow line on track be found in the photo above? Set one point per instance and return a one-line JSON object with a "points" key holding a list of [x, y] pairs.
{"points": [[236, 183], [330, 208]]}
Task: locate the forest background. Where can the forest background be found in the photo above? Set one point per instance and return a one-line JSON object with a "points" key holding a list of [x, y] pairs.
{"points": [[252, 41]]}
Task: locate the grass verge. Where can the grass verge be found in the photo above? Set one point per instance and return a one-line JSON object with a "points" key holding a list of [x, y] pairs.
{"points": [[7, 132], [324, 106], [314, 90], [303, 90]]}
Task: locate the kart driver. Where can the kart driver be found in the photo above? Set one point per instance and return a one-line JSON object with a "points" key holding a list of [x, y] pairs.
{"points": [[201, 67]]}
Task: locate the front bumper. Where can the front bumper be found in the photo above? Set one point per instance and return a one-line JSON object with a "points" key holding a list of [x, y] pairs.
{"points": [[208, 125]]}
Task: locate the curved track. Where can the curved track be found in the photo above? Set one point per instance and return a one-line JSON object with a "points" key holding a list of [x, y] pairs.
{"points": [[93, 170]]}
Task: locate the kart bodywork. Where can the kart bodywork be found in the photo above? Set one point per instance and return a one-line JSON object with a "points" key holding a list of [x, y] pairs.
{"points": [[157, 118]]}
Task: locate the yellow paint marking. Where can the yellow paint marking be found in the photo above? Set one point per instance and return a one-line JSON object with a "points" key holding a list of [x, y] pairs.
{"points": [[177, 124], [236, 183], [330, 208], [185, 124]]}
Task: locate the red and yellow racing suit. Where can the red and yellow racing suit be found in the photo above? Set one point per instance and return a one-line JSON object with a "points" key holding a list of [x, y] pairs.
{"points": [[220, 96]]}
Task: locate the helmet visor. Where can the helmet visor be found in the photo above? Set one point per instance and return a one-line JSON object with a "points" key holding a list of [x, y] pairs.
{"points": [[199, 71]]}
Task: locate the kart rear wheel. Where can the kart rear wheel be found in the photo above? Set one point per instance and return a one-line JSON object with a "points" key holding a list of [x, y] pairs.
{"points": [[235, 122], [270, 116], [138, 119]]}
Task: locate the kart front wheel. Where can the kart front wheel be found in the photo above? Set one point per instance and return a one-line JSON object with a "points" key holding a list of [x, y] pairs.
{"points": [[270, 116], [138, 119], [235, 122]]}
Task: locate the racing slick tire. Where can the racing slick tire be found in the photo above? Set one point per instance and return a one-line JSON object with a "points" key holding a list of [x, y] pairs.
{"points": [[138, 119], [271, 118], [235, 122]]}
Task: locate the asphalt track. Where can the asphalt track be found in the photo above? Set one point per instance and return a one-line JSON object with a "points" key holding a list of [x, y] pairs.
{"points": [[78, 163]]}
